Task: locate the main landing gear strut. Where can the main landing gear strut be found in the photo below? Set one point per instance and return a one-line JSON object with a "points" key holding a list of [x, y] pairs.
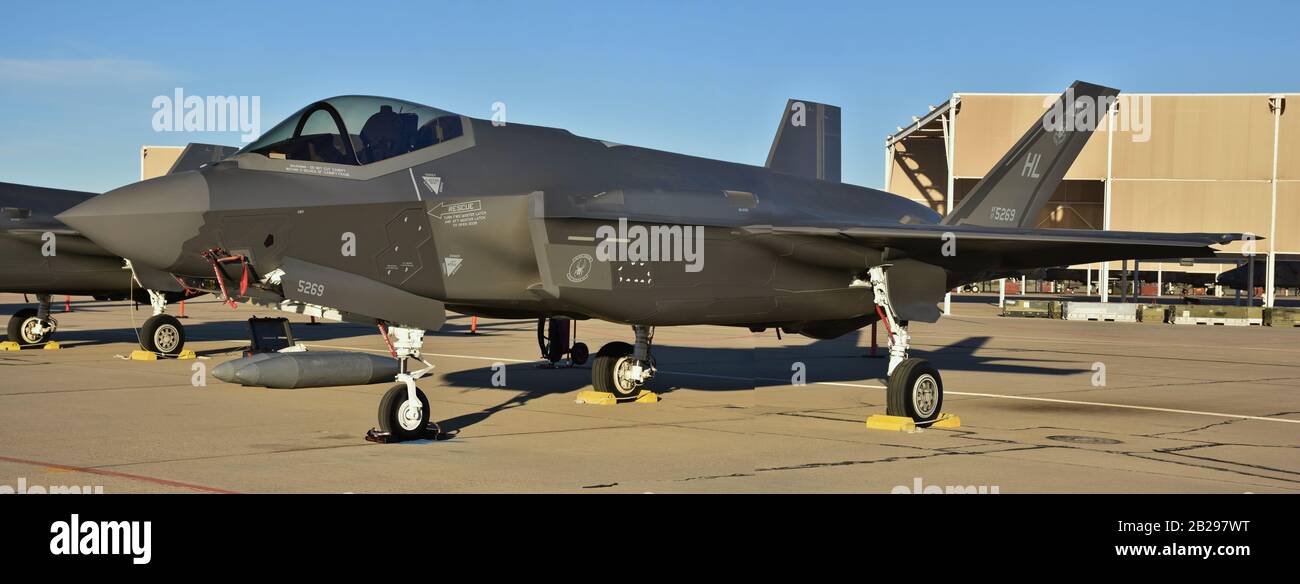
{"points": [[33, 326], [404, 410], [622, 369], [555, 341], [915, 388]]}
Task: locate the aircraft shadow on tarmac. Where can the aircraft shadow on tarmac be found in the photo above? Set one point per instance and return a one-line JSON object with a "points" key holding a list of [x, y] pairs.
{"points": [[235, 329], [708, 369], [738, 369]]}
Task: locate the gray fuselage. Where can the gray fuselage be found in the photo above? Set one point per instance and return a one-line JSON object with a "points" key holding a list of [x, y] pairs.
{"points": [[517, 206]]}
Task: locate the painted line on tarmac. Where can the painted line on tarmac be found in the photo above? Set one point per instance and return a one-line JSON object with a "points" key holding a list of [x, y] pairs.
{"points": [[865, 386], [113, 473], [1086, 403], [1113, 340], [1129, 407]]}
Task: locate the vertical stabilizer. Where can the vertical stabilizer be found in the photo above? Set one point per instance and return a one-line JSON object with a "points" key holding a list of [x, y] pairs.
{"points": [[807, 142]]}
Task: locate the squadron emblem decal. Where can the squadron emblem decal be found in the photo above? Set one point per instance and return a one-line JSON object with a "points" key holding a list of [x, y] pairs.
{"points": [[580, 268]]}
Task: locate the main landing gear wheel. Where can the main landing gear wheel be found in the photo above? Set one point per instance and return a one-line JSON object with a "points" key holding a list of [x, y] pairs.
{"points": [[25, 328], [609, 368], [401, 417], [162, 334], [915, 390]]}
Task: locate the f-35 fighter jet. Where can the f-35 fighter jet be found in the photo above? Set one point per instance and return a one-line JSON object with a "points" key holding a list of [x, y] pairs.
{"points": [[380, 210], [35, 259], [1240, 278], [40, 255]]}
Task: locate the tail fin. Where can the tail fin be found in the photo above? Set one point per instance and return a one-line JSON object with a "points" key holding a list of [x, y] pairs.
{"points": [[807, 142], [1015, 190], [196, 155]]}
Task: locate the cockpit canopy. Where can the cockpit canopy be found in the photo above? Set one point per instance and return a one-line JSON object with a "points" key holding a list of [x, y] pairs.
{"points": [[356, 129]]}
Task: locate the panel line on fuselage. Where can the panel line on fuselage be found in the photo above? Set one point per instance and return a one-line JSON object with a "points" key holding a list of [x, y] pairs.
{"points": [[415, 184]]}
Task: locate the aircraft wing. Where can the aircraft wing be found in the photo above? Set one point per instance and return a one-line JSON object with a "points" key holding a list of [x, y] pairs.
{"points": [[972, 249], [67, 240], [27, 214], [928, 260]]}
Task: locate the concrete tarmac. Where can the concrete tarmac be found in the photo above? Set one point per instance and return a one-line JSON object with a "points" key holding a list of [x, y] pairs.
{"points": [[1178, 409]]}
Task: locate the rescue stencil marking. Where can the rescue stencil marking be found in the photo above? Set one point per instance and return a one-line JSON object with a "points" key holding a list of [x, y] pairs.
{"points": [[464, 214]]}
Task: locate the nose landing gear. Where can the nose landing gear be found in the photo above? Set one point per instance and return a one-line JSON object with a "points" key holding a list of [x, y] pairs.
{"points": [[162, 333], [404, 409]]}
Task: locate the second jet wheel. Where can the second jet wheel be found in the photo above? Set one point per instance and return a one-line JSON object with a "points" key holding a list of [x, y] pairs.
{"points": [[162, 334], [22, 328], [608, 367], [915, 390], [578, 353]]}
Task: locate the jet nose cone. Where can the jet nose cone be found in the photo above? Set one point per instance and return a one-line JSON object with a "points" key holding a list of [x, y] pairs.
{"points": [[145, 222]]}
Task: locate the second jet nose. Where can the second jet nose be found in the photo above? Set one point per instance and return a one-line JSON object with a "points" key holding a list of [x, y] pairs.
{"points": [[146, 222]]}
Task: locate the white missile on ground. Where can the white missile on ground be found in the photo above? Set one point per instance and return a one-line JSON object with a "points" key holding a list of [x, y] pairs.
{"points": [[307, 369]]}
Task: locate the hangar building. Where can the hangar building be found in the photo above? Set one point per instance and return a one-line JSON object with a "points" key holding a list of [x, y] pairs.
{"points": [[1158, 162]]}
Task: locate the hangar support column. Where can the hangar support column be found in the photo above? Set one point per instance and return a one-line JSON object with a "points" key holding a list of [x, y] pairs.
{"points": [[1104, 276], [1276, 103], [950, 142]]}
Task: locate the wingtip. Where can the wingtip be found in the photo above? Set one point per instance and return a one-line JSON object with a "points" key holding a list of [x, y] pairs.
{"points": [[1226, 238]]}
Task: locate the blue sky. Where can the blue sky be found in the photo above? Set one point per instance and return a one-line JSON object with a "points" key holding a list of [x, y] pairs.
{"points": [[77, 79]]}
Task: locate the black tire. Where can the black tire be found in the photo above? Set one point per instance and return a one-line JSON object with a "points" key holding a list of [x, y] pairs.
{"points": [[391, 409], [915, 390], [163, 334], [19, 328], [579, 353], [615, 348], [604, 370]]}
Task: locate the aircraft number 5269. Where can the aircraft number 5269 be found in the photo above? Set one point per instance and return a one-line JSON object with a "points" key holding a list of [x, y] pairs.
{"points": [[311, 288], [1002, 214]]}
